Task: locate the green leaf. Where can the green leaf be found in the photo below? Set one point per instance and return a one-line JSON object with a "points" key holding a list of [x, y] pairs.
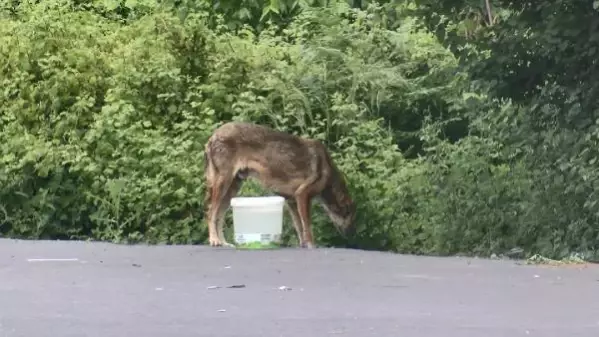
{"points": [[111, 4], [275, 6]]}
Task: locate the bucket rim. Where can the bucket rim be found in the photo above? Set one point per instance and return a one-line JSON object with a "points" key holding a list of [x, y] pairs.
{"points": [[272, 200]]}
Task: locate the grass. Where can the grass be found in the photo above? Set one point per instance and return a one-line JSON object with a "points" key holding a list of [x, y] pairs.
{"points": [[257, 245], [571, 260]]}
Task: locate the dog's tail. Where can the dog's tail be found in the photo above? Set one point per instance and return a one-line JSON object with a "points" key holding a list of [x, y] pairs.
{"points": [[208, 172], [205, 158]]}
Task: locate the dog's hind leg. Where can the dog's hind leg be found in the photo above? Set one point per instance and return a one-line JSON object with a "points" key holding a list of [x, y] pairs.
{"points": [[296, 220], [224, 206]]}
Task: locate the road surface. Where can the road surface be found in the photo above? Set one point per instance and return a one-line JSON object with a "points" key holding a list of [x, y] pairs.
{"points": [[106, 290]]}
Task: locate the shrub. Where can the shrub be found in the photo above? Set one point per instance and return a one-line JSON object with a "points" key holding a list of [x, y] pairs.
{"points": [[103, 123]]}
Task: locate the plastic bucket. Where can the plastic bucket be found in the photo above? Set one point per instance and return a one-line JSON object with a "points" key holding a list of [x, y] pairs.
{"points": [[257, 219]]}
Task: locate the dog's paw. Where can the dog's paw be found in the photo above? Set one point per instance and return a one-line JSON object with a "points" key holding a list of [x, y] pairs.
{"points": [[215, 242]]}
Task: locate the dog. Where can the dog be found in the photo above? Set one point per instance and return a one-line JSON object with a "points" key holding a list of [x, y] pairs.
{"points": [[296, 168]]}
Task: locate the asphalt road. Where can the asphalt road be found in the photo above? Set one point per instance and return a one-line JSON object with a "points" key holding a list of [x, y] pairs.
{"points": [[107, 290]]}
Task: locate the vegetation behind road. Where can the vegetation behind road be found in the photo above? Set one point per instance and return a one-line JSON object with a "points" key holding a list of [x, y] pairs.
{"points": [[462, 128]]}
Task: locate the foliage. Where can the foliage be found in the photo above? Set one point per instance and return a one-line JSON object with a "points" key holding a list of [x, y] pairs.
{"points": [[100, 125], [458, 132], [537, 63]]}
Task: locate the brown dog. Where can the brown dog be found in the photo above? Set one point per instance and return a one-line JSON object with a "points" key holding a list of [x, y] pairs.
{"points": [[295, 168]]}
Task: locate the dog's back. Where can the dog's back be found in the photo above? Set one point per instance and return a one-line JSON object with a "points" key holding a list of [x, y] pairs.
{"points": [[281, 161]]}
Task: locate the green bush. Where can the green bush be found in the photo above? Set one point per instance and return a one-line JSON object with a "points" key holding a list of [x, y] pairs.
{"points": [[105, 108], [103, 126], [104, 123]]}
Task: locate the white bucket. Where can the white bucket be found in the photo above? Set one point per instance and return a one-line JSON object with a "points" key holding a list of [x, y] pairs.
{"points": [[257, 219]]}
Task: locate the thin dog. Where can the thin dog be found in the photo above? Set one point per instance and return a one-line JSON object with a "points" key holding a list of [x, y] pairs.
{"points": [[296, 168]]}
